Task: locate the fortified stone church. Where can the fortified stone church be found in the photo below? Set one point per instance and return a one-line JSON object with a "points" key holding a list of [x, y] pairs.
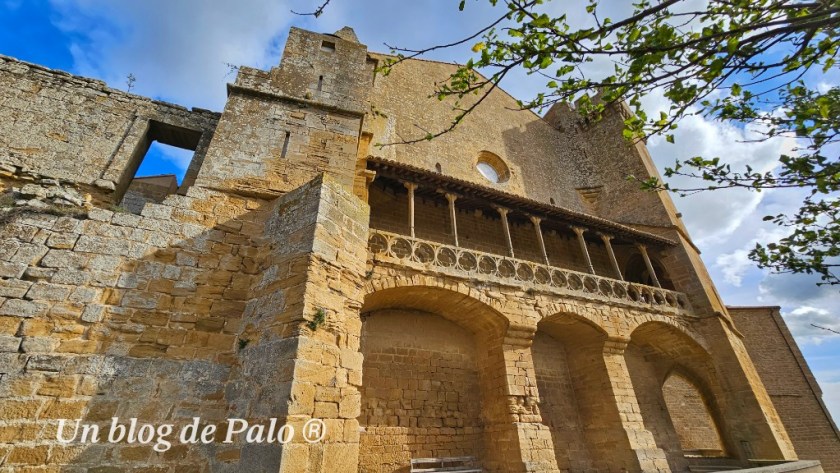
{"points": [[501, 294]]}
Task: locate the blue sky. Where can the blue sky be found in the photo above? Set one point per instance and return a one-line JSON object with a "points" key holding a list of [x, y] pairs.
{"points": [[178, 51]]}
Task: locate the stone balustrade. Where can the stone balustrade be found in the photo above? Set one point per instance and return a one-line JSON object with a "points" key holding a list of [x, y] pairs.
{"points": [[414, 252]]}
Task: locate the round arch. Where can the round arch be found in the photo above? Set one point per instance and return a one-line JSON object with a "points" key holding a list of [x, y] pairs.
{"points": [[465, 310], [567, 313], [662, 330], [669, 367], [432, 360], [574, 327]]}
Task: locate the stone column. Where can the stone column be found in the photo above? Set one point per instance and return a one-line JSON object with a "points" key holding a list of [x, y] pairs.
{"points": [[411, 188], [503, 212], [582, 242], [611, 253], [452, 216], [613, 426], [640, 440], [518, 441], [536, 221], [643, 250]]}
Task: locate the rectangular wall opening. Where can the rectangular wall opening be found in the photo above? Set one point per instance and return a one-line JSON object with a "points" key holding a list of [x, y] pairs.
{"points": [[159, 163]]}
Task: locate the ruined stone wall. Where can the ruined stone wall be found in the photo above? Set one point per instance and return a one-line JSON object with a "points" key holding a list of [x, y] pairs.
{"points": [[247, 153], [790, 384], [282, 128], [183, 311], [420, 391], [76, 129], [112, 314]]}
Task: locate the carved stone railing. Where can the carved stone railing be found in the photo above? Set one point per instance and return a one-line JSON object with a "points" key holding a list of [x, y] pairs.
{"points": [[404, 250]]}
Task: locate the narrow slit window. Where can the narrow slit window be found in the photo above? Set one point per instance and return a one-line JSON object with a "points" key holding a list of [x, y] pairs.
{"points": [[285, 145], [320, 83]]}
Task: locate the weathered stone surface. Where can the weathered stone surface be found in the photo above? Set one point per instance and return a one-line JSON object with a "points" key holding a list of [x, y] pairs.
{"points": [[281, 280], [9, 344], [19, 308]]}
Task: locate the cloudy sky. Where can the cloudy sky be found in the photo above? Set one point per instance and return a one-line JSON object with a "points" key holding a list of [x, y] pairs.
{"points": [[180, 51]]}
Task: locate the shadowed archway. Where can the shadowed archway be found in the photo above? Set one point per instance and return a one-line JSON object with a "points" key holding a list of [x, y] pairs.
{"points": [[429, 382], [577, 401], [675, 383]]}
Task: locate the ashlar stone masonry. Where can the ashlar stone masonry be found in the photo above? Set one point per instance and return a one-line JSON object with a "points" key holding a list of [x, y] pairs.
{"points": [[502, 292]]}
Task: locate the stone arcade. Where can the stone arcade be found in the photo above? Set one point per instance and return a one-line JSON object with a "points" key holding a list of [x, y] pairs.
{"points": [[501, 292]]}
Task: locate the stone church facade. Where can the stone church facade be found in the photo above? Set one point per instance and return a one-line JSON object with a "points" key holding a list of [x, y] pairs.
{"points": [[502, 292]]}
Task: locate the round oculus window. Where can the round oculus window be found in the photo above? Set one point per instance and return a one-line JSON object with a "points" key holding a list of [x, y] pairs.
{"points": [[492, 167]]}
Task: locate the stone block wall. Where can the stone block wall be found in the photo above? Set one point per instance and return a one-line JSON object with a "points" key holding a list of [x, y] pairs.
{"points": [[790, 384], [690, 415], [50, 116], [118, 315], [421, 395], [163, 319], [282, 128], [560, 407]]}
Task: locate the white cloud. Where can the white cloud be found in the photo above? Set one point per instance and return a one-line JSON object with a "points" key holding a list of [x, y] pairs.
{"points": [[734, 265], [811, 323], [714, 216], [176, 50], [180, 157]]}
